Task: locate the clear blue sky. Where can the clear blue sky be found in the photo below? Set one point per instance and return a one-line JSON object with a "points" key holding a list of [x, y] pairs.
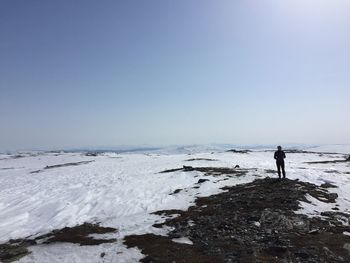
{"points": [[78, 73]]}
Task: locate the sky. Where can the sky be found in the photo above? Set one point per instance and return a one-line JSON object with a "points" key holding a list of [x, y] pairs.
{"points": [[157, 72]]}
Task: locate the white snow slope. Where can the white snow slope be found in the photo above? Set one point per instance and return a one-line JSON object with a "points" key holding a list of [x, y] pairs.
{"points": [[122, 190]]}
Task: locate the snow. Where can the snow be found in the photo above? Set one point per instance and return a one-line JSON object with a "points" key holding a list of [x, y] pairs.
{"points": [[182, 240], [315, 207], [122, 190]]}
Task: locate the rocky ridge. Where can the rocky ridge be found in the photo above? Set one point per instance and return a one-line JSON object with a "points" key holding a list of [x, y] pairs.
{"points": [[254, 222]]}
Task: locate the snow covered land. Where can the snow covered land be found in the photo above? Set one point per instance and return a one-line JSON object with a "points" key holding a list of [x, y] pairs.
{"points": [[44, 191]]}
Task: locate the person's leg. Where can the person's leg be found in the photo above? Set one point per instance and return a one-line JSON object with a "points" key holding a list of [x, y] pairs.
{"points": [[278, 169], [283, 171]]}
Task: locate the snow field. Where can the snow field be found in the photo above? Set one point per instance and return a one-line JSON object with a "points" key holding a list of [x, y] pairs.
{"points": [[122, 190]]}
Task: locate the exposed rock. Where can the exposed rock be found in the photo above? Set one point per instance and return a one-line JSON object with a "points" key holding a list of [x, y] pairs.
{"points": [[176, 191], [298, 151], [202, 181], [62, 165], [171, 170], [254, 222], [81, 234], [187, 168], [292, 151], [213, 171], [332, 172], [91, 154], [18, 156], [238, 151], [67, 164], [330, 161], [201, 159], [328, 185], [12, 252], [163, 249]]}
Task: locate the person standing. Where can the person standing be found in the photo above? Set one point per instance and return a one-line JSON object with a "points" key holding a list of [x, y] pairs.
{"points": [[279, 157]]}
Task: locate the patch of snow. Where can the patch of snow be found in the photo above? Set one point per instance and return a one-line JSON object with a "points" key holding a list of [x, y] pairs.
{"points": [[315, 207], [182, 240]]}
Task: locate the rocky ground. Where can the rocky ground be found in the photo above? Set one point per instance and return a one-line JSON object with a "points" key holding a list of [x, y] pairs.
{"points": [[62, 165], [81, 234], [347, 159], [255, 222]]}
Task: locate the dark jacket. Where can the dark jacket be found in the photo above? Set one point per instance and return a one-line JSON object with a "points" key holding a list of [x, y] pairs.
{"points": [[279, 156]]}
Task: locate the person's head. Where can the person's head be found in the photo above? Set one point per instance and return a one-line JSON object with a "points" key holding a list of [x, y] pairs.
{"points": [[279, 147]]}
